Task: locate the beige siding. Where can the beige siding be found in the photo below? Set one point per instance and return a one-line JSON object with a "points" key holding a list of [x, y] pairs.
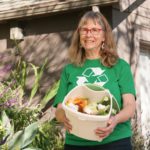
{"points": [[46, 37], [19, 9], [124, 27], [131, 29], [124, 4]]}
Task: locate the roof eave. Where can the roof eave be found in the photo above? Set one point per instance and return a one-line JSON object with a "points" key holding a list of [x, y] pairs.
{"points": [[50, 7]]}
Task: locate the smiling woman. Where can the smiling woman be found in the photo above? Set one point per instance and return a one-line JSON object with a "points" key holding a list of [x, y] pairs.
{"points": [[91, 41], [94, 60], [93, 33]]}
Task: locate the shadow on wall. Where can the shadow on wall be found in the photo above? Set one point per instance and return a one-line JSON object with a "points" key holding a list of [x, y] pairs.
{"points": [[48, 38], [124, 31], [45, 38], [126, 41], [123, 15]]}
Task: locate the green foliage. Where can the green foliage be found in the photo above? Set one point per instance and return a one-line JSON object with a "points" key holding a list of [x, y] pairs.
{"points": [[49, 136], [19, 118], [23, 117], [8, 95], [23, 138], [2, 131], [51, 92], [16, 140], [19, 112], [38, 72], [6, 127], [19, 74]]}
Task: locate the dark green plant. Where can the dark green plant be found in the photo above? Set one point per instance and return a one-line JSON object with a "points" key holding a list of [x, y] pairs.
{"points": [[22, 118], [11, 100], [49, 136], [16, 140], [38, 72], [2, 131], [19, 73], [16, 100], [49, 95]]}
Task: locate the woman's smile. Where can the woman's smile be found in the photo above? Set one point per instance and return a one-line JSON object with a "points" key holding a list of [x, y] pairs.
{"points": [[91, 35]]}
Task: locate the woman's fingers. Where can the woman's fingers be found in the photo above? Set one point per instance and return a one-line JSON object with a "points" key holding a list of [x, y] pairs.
{"points": [[104, 132], [101, 134], [67, 125]]}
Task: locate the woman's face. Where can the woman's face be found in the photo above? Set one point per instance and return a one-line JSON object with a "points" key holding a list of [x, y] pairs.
{"points": [[91, 35]]}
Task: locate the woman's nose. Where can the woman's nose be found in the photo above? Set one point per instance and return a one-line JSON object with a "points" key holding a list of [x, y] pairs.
{"points": [[89, 33]]}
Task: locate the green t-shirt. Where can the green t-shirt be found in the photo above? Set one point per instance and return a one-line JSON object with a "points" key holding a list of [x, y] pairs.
{"points": [[118, 79]]}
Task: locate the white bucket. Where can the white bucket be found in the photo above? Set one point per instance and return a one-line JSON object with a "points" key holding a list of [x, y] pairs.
{"points": [[84, 125]]}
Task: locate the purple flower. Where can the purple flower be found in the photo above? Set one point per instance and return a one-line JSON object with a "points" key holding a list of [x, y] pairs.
{"points": [[10, 103], [6, 68]]}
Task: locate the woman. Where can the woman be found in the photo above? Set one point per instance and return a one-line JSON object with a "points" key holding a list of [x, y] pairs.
{"points": [[91, 50]]}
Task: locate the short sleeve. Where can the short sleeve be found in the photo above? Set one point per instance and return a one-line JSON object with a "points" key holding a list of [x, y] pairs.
{"points": [[126, 82], [62, 90]]}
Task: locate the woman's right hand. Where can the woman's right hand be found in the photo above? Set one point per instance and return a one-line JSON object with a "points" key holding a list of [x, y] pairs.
{"points": [[61, 117]]}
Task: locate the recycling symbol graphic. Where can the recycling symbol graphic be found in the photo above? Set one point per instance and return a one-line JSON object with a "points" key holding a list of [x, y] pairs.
{"points": [[93, 75]]}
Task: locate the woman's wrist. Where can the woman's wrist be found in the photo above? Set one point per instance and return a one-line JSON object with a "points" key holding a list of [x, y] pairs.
{"points": [[116, 117], [59, 114]]}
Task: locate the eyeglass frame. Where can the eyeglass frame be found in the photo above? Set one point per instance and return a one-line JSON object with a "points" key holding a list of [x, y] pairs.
{"points": [[87, 30]]}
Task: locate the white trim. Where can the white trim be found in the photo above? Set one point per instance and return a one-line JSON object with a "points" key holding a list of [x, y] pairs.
{"points": [[141, 33]]}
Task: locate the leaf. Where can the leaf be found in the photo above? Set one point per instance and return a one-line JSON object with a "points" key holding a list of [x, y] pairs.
{"points": [[36, 83], [49, 94], [32, 149], [20, 93], [16, 141], [23, 74], [23, 138], [6, 123], [29, 134], [42, 69], [38, 76]]}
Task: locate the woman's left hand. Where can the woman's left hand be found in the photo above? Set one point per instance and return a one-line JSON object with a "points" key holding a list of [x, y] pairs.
{"points": [[104, 132]]}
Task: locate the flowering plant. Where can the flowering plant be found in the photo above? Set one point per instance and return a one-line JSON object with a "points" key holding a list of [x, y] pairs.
{"points": [[9, 97], [20, 110]]}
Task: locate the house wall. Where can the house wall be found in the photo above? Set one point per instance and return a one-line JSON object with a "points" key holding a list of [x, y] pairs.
{"points": [[49, 37], [131, 28], [45, 37]]}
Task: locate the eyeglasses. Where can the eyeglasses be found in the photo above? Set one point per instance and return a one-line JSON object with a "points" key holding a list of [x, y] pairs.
{"points": [[93, 31]]}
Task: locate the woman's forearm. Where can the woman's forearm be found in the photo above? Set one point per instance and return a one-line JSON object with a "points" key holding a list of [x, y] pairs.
{"points": [[61, 117], [60, 114], [128, 110]]}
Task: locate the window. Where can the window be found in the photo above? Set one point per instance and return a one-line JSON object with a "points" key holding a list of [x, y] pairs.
{"points": [[144, 79]]}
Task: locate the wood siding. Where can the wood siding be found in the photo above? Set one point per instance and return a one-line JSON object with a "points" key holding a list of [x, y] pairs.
{"points": [[132, 30], [12, 9]]}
